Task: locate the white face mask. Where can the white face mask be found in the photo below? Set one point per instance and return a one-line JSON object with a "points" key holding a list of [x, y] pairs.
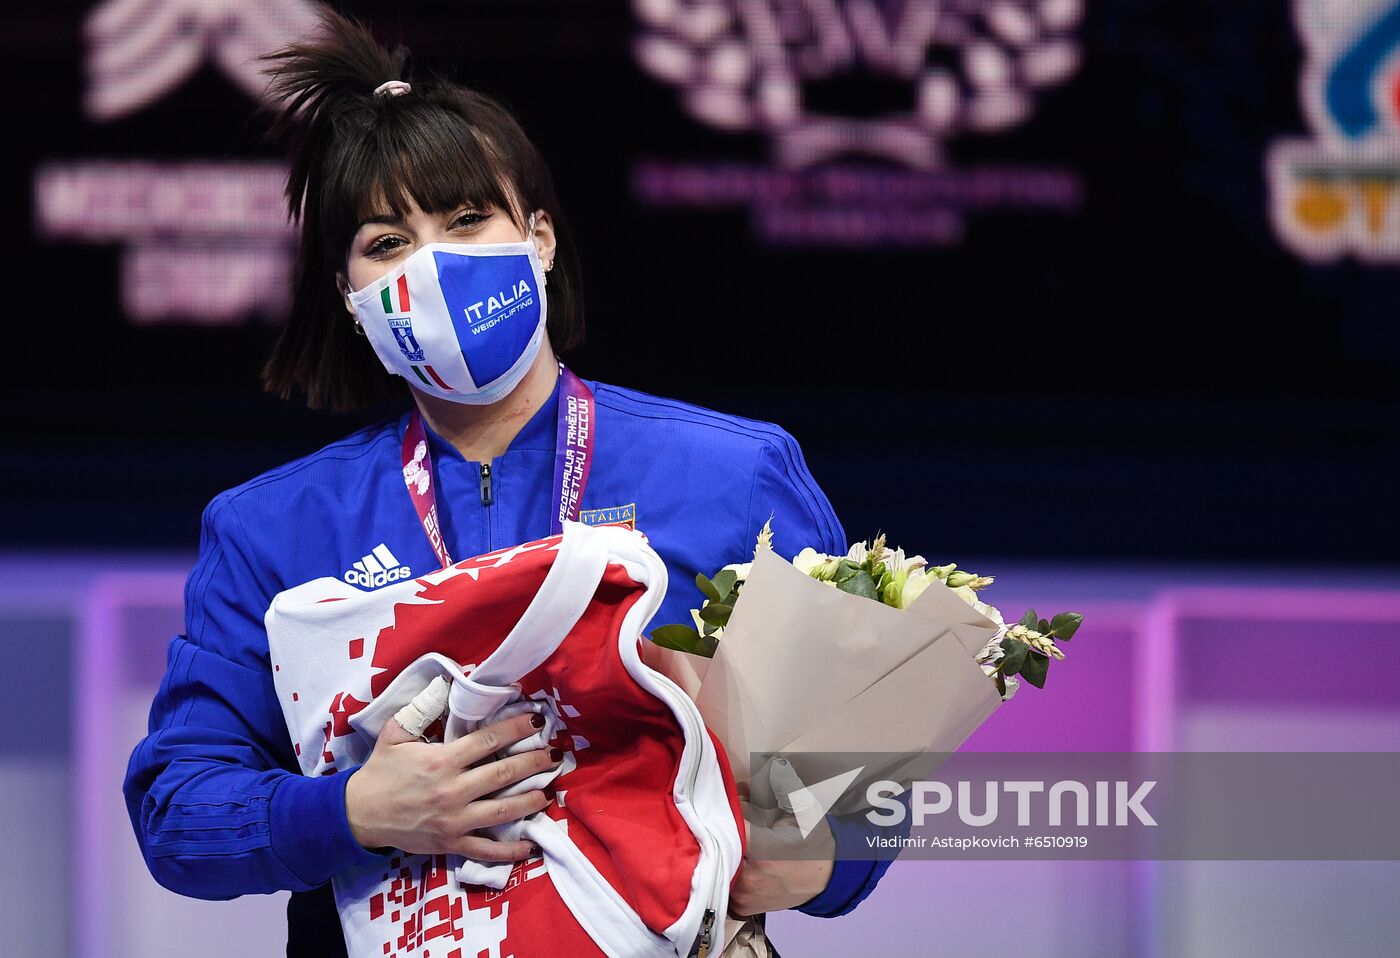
{"points": [[460, 321]]}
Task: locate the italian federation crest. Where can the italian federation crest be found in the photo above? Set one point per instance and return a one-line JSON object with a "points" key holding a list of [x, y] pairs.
{"points": [[1335, 193], [402, 328]]}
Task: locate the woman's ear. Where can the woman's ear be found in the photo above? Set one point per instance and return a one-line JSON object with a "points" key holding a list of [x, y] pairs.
{"points": [[543, 237], [343, 284]]}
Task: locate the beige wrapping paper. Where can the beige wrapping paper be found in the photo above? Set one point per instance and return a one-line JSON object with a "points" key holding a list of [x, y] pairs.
{"points": [[813, 672], [743, 938], [805, 667]]}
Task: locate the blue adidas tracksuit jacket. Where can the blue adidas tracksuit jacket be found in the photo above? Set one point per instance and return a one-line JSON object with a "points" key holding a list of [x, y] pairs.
{"points": [[214, 792]]}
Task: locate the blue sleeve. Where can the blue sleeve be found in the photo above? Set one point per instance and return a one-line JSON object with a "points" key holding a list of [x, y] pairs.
{"points": [[784, 490], [854, 875], [213, 793], [802, 516]]}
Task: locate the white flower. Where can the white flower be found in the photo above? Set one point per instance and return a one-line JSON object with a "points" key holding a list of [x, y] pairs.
{"points": [[897, 562], [816, 564], [808, 559], [969, 595], [741, 570], [991, 654], [1012, 684], [992, 613], [858, 553], [913, 588]]}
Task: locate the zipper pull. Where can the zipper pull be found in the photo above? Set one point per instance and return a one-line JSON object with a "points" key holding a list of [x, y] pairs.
{"points": [[704, 940], [486, 483]]}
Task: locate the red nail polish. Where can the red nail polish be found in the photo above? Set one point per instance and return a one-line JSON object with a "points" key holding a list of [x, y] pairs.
{"points": [[556, 755], [537, 720]]}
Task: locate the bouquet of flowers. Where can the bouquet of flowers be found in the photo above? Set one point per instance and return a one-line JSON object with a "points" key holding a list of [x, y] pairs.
{"points": [[886, 575], [871, 652]]}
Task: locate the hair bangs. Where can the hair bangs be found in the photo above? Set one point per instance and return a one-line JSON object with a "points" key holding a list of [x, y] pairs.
{"points": [[424, 155]]}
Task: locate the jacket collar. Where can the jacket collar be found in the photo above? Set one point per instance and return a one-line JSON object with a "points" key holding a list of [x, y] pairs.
{"points": [[539, 433]]}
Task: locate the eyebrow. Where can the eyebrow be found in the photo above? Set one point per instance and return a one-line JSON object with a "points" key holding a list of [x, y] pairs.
{"points": [[383, 219]]}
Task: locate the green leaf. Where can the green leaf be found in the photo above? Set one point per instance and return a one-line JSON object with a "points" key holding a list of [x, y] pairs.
{"points": [[1064, 625], [1001, 684], [707, 587], [1015, 656], [724, 584], [1043, 626], [682, 638], [1030, 620], [1034, 669], [716, 613], [859, 584], [845, 569]]}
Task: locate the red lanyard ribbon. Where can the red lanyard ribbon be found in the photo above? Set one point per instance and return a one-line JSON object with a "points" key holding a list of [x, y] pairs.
{"points": [[573, 458]]}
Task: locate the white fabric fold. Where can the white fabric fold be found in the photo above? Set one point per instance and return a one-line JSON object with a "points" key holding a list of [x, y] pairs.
{"points": [[494, 874]]}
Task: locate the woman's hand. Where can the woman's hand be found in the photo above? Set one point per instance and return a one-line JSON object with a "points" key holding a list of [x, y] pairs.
{"points": [[426, 798], [769, 879]]}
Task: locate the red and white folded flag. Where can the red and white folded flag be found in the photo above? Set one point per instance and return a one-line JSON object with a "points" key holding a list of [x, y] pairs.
{"points": [[644, 836]]}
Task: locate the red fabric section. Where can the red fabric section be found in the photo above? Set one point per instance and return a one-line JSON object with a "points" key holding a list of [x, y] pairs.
{"points": [[618, 800], [436, 624], [626, 743]]}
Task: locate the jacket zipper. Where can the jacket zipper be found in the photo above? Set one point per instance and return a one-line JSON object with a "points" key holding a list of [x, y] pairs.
{"points": [[486, 483], [705, 941], [488, 499]]}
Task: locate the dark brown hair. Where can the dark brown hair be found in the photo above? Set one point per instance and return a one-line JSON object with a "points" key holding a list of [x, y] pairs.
{"points": [[441, 144]]}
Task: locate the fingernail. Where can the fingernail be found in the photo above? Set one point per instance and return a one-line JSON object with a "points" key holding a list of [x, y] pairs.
{"points": [[537, 720], [535, 850], [556, 755]]}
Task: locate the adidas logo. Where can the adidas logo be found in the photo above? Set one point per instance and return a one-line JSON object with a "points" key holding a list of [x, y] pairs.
{"points": [[376, 569]]}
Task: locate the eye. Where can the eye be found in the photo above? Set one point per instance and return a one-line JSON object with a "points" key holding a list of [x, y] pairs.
{"points": [[470, 218], [384, 245]]}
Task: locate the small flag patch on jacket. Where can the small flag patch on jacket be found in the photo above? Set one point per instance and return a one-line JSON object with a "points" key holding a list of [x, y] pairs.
{"points": [[612, 515]]}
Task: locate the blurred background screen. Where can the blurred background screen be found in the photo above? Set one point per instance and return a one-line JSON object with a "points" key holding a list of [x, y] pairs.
{"points": [[1107, 288], [1135, 256]]}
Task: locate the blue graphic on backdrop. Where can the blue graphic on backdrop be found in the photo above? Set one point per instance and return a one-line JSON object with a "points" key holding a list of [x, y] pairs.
{"points": [[494, 309], [1336, 193], [408, 345], [1351, 81]]}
